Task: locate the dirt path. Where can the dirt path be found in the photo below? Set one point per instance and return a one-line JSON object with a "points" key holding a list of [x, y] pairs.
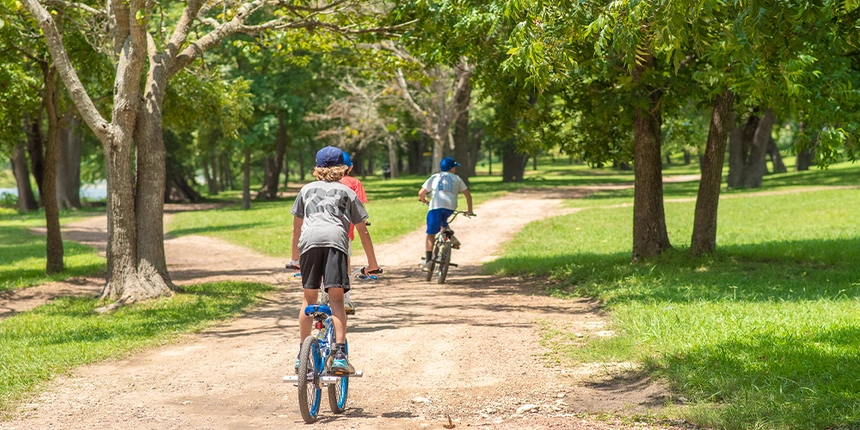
{"points": [[468, 349]]}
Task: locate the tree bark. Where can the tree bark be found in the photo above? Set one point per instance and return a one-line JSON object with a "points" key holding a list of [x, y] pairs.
{"points": [[513, 163], [150, 187], [805, 159], [69, 165], [775, 157], [393, 162], [461, 132], [52, 209], [755, 166], [650, 237], [26, 199], [704, 240], [246, 182], [36, 151], [273, 180]]}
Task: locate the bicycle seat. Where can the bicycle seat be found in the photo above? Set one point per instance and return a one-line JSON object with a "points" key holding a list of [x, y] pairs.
{"points": [[317, 309]]}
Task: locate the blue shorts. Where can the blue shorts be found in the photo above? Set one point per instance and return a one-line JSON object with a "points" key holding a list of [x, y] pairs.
{"points": [[437, 218]]}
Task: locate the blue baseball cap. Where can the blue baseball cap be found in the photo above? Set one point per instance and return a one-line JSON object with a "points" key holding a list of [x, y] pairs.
{"points": [[329, 156], [346, 160], [447, 164]]}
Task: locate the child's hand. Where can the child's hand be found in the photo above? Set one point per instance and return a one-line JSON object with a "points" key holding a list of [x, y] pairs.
{"points": [[371, 270]]}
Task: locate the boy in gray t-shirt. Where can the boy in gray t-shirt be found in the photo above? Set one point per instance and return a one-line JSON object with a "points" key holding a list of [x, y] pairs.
{"points": [[322, 213]]}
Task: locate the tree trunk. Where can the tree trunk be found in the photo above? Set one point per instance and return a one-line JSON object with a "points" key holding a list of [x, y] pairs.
{"points": [[273, 179], [704, 240], [736, 156], [687, 158], [35, 149], [52, 209], [775, 157], [302, 164], [755, 165], [475, 150], [393, 162], [246, 182], [149, 193], [461, 133], [26, 199], [69, 167], [650, 237], [212, 181], [513, 163], [805, 159]]}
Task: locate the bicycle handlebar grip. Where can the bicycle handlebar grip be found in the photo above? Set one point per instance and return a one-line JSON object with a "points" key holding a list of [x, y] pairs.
{"points": [[366, 272]]}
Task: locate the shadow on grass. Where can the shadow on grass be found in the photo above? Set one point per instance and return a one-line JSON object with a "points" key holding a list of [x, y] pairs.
{"points": [[775, 380], [759, 336], [779, 270]]}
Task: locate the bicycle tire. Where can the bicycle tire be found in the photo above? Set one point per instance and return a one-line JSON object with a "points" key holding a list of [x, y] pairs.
{"points": [[444, 262], [337, 392], [431, 267], [310, 394]]}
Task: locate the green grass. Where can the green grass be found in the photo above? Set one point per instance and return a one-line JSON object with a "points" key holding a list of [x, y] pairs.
{"points": [[762, 335], [267, 227], [50, 340], [23, 254]]}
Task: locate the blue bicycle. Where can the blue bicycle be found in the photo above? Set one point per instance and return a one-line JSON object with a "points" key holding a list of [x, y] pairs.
{"points": [[315, 360]]}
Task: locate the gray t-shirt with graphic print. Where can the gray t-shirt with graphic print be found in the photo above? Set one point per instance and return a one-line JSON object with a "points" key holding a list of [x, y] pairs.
{"points": [[327, 209]]}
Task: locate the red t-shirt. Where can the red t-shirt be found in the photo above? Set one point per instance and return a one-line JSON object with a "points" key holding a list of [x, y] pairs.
{"points": [[355, 185]]}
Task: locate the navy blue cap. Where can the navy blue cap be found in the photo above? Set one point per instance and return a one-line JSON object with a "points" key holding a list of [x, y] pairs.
{"points": [[346, 160], [447, 164], [329, 156]]}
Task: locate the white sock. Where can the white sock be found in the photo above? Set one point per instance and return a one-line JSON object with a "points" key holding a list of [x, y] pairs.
{"points": [[346, 296]]}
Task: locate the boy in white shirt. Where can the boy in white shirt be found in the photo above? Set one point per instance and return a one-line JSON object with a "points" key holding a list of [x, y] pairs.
{"points": [[444, 188]]}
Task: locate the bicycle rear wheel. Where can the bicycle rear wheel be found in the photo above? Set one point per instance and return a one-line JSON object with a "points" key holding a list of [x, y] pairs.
{"points": [[310, 367], [337, 392], [444, 261], [431, 267]]}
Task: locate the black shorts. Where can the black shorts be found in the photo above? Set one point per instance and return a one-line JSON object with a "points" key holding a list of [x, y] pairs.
{"points": [[324, 264]]}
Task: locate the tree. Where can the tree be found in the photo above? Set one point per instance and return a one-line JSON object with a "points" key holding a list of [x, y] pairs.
{"points": [[145, 57]]}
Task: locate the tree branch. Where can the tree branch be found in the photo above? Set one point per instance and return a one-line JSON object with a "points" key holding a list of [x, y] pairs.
{"points": [[70, 78], [81, 6]]}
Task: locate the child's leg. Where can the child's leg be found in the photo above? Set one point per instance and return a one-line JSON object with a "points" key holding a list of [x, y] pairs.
{"points": [[338, 313], [305, 322]]}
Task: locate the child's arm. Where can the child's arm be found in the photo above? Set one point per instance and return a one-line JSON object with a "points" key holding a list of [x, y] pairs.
{"points": [[297, 231], [468, 200], [367, 244]]}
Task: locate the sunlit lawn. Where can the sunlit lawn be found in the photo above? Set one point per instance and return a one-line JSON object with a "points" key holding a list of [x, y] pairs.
{"points": [[764, 334], [22, 253]]}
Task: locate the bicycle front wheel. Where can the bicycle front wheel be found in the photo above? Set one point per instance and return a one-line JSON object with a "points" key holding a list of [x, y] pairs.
{"points": [[310, 368], [444, 261], [337, 392]]}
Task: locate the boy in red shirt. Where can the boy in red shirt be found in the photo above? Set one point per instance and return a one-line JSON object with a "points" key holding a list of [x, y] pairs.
{"points": [[355, 185]]}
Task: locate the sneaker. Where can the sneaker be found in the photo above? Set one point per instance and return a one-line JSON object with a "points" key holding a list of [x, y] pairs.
{"points": [[347, 306], [425, 266], [454, 242], [340, 365]]}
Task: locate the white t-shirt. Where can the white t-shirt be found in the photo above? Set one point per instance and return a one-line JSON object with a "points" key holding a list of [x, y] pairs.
{"points": [[444, 188]]}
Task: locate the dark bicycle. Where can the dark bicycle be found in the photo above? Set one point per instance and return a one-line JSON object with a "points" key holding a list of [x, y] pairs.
{"points": [[442, 250]]}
